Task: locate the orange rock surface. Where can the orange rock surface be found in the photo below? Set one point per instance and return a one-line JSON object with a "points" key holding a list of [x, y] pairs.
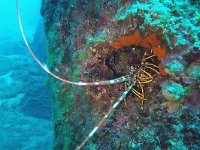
{"points": [[151, 41], [134, 39]]}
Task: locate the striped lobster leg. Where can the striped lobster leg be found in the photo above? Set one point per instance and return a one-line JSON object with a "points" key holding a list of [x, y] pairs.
{"points": [[44, 67], [105, 117], [108, 82]]}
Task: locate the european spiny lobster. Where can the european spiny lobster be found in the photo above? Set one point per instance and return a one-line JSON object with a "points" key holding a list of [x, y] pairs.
{"points": [[138, 76]]}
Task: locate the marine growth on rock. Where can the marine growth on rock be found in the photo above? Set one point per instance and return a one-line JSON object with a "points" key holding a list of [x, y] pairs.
{"points": [[132, 65]]}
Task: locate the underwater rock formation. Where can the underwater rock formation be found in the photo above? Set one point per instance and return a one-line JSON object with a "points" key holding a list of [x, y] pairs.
{"points": [[100, 40]]}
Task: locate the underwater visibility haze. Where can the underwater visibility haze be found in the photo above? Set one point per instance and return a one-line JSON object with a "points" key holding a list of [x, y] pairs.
{"points": [[104, 75], [25, 99]]}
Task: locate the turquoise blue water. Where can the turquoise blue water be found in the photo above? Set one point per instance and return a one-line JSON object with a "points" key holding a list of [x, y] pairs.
{"points": [[25, 99]]}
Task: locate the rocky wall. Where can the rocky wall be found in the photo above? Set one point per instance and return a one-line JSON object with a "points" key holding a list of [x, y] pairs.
{"points": [[101, 40]]}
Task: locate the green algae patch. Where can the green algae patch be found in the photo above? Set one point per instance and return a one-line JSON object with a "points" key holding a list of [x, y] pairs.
{"points": [[51, 58], [173, 91], [98, 38], [175, 66], [198, 16], [82, 56], [66, 100], [75, 75]]}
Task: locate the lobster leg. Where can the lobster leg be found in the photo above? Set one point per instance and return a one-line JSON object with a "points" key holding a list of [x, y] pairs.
{"points": [[105, 117]]}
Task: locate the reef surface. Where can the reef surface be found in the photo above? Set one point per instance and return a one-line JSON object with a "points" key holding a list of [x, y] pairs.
{"points": [[100, 40]]}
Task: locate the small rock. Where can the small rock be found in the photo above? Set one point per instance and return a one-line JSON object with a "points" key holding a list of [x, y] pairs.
{"points": [[173, 91]]}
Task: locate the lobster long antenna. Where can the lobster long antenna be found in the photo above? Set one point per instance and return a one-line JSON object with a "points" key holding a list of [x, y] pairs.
{"points": [[44, 67], [122, 97]]}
